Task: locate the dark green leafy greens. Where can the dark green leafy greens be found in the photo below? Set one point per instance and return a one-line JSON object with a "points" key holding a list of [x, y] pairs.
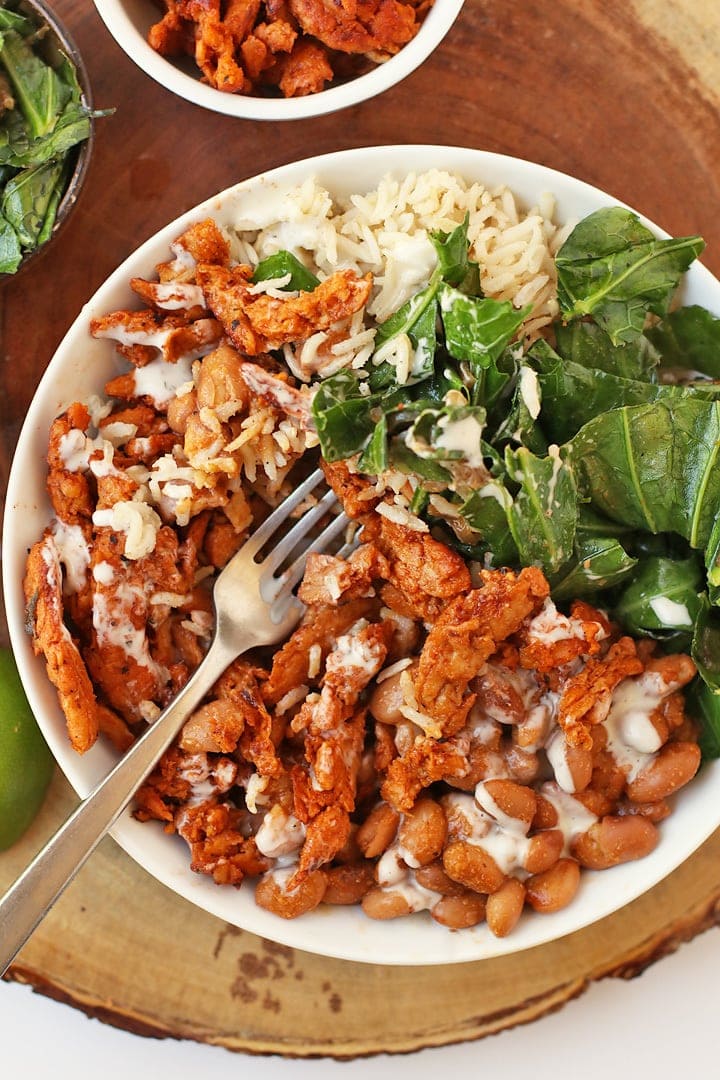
{"points": [[594, 454], [45, 119], [613, 268]]}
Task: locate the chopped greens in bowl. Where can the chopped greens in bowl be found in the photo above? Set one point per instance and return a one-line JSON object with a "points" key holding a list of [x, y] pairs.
{"points": [[594, 454], [45, 128]]}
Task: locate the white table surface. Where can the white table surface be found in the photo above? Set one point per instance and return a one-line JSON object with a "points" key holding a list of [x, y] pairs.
{"points": [[663, 1025]]}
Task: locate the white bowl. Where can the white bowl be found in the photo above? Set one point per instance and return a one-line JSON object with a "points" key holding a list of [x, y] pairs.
{"points": [[81, 366], [129, 21]]}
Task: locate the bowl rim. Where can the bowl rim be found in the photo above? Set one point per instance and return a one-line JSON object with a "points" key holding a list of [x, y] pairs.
{"points": [[436, 24], [85, 150], [333, 932]]}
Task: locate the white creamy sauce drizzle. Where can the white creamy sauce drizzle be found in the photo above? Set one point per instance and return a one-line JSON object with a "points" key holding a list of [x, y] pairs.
{"points": [[463, 436], [175, 296], [502, 838], [159, 380], [549, 626], [395, 875], [670, 612], [631, 736], [73, 553], [280, 834], [556, 750], [530, 391], [113, 626], [103, 573], [574, 819], [351, 652]]}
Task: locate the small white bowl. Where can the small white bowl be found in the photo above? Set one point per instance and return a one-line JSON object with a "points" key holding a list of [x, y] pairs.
{"points": [[83, 364], [129, 21]]}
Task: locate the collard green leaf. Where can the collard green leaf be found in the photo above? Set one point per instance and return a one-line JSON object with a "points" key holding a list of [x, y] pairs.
{"points": [[28, 198], [599, 562], [662, 597], [712, 562], [578, 394], [704, 706], [706, 645], [344, 419], [520, 423], [655, 467], [478, 330], [10, 250], [590, 523], [423, 339], [13, 20], [39, 92], [374, 458], [486, 511], [587, 344], [451, 433], [72, 128], [689, 340], [280, 265], [613, 268], [452, 253], [406, 460], [405, 318], [543, 516]]}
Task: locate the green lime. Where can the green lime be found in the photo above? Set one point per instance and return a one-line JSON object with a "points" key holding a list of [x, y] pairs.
{"points": [[26, 764]]}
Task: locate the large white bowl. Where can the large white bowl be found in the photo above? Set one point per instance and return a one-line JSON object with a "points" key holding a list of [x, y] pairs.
{"points": [[129, 21], [80, 367]]}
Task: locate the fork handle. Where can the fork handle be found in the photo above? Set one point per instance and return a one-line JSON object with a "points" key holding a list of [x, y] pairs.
{"points": [[54, 867]]}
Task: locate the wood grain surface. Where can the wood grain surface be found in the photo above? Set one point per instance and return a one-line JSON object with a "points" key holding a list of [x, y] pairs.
{"points": [[621, 93]]}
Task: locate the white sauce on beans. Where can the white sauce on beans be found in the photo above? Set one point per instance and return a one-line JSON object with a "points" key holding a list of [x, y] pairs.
{"points": [[573, 818], [631, 736], [556, 749], [487, 803], [280, 834], [507, 846]]}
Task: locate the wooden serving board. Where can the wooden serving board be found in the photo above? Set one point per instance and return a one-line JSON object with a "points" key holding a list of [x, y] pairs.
{"points": [[621, 93]]}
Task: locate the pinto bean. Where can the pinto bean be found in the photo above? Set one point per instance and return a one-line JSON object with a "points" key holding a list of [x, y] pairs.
{"points": [[386, 699], [512, 799], [615, 840], [423, 830], [459, 912], [433, 877], [546, 816], [348, 884], [504, 907], [377, 831], [554, 888], [544, 850], [385, 904], [271, 894], [674, 765], [472, 866], [522, 765]]}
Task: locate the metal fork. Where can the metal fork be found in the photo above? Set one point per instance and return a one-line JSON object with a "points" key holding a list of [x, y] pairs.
{"points": [[253, 606]]}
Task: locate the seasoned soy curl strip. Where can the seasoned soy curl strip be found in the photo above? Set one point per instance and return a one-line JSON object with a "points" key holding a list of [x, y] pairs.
{"points": [[51, 638], [256, 322]]}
